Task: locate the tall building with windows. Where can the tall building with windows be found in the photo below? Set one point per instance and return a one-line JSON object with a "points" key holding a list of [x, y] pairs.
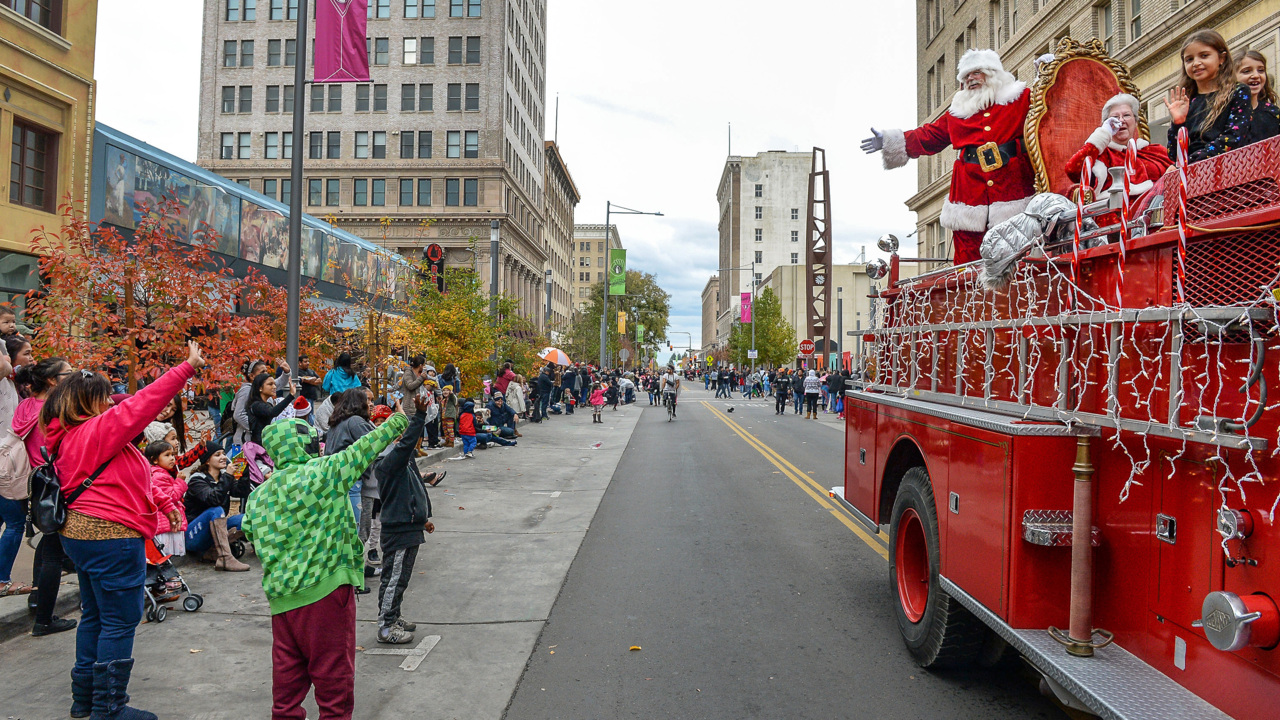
{"points": [[591, 248], [561, 199], [710, 311], [763, 204], [445, 139], [1145, 35], [46, 123]]}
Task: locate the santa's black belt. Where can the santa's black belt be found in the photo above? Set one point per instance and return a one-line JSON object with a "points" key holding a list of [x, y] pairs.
{"points": [[990, 156]]}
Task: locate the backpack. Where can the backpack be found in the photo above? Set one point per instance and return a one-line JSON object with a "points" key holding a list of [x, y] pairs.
{"points": [[48, 504], [15, 466]]}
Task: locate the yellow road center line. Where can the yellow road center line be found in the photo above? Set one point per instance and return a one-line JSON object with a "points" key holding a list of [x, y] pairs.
{"points": [[801, 480]]}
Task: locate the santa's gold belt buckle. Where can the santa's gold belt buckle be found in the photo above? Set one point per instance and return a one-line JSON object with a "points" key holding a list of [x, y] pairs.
{"points": [[989, 157]]}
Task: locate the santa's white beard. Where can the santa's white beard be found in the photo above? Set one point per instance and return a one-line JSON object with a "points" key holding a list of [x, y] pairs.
{"points": [[995, 91]]}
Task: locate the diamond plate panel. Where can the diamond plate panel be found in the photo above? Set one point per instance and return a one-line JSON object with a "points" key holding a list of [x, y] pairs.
{"points": [[1051, 528]]}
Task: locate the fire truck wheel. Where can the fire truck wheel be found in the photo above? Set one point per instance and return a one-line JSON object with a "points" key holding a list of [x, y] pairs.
{"points": [[937, 630]]}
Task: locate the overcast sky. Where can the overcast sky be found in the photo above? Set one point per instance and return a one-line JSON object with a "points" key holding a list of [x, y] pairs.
{"points": [[646, 92]]}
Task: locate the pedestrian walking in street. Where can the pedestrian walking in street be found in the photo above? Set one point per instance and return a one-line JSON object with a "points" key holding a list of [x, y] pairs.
{"points": [[597, 402], [467, 428], [301, 527], [797, 390], [812, 390], [782, 391], [106, 523]]}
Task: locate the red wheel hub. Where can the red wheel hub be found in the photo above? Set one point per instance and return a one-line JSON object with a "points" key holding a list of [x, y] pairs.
{"points": [[911, 554]]}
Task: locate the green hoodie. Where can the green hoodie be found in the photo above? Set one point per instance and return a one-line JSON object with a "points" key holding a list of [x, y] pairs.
{"points": [[300, 520]]}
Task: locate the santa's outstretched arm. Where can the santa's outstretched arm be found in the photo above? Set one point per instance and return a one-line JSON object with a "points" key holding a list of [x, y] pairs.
{"points": [[898, 146]]}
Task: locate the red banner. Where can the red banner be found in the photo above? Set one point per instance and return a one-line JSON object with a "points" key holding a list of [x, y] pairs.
{"points": [[341, 53]]}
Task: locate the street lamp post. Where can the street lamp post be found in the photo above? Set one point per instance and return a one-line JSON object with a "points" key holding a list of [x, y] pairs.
{"points": [[840, 326], [604, 308]]}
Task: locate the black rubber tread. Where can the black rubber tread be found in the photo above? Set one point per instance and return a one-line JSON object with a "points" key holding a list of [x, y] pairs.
{"points": [[948, 635]]}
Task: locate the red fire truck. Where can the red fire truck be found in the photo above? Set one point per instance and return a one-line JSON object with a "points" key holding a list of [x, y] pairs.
{"points": [[1081, 463]]}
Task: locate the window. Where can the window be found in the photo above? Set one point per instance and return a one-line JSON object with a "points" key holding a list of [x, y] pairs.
{"points": [[246, 99], [471, 192], [229, 98], [454, 101], [379, 98], [316, 143], [243, 151], [314, 189], [600, 262], [473, 8], [759, 235], [424, 144], [451, 192], [759, 213], [276, 12], [410, 51], [378, 194], [406, 191], [473, 97], [795, 236], [230, 53], [472, 149], [269, 187], [757, 282], [45, 13], [228, 147], [599, 277], [427, 51], [288, 98], [406, 145], [1135, 19], [360, 192], [273, 53], [424, 192], [33, 167], [379, 9], [233, 10], [759, 256], [331, 192], [250, 9], [334, 145], [428, 8], [291, 13], [335, 98], [407, 97], [1106, 25], [759, 190], [455, 51], [795, 258], [362, 145], [286, 191], [246, 53], [273, 98], [473, 50], [362, 98], [601, 247], [795, 213], [290, 53], [410, 11], [317, 98], [287, 143], [381, 51], [379, 144], [426, 97], [271, 146], [456, 8], [453, 144]]}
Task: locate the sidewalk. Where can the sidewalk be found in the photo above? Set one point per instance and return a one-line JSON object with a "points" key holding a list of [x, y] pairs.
{"points": [[509, 524]]}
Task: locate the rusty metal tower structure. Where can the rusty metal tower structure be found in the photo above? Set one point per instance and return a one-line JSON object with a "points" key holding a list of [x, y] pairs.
{"points": [[818, 256]]}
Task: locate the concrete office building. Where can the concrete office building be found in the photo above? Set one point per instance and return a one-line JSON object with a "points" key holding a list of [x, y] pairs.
{"points": [[763, 205], [46, 122], [1143, 34], [590, 257], [852, 286], [710, 311], [561, 199], [445, 139]]}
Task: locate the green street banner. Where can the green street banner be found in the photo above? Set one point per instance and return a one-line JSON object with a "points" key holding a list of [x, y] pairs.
{"points": [[640, 333], [617, 271]]}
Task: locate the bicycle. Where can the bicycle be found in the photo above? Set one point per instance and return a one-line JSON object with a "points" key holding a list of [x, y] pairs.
{"points": [[669, 401]]}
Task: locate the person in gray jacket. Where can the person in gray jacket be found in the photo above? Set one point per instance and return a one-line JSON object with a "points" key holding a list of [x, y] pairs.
{"points": [[240, 404]]}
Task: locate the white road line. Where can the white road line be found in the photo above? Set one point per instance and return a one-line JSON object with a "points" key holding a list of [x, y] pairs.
{"points": [[413, 657]]}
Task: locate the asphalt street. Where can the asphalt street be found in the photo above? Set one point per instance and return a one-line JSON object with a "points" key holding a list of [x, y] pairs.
{"points": [[717, 554]]}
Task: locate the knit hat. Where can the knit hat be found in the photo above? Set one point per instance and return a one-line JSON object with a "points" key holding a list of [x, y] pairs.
{"points": [[207, 449], [986, 60], [380, 412], [156, 431]]}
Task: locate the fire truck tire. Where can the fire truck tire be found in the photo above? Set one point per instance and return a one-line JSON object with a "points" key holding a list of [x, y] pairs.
{"points": [[937, 630]]}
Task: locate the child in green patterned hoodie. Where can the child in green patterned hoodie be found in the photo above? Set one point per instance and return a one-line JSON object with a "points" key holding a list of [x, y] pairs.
{"points": [[301, 525]]}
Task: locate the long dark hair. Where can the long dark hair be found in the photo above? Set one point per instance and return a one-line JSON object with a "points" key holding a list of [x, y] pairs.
{"points": [[40, 377], [179, 421], [1268, 93], [76, 399], [351, 403], [1225, 82], [343, 361], [255, 390]]}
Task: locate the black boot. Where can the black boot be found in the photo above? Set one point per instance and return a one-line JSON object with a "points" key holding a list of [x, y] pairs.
{"points": [[81, 693], [110, 692]]}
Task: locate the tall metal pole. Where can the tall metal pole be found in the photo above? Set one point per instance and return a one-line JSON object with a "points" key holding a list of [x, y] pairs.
{"points": [[546, 318], [604, 307], [840, 327], [493, 270], [753, 314], [294, 281]]}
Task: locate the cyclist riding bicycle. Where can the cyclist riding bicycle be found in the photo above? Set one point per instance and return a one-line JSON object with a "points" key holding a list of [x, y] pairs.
{"points": [[671, 387]]}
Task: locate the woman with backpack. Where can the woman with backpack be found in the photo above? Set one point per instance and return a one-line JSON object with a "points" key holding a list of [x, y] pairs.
{"points": [[106, 522]]}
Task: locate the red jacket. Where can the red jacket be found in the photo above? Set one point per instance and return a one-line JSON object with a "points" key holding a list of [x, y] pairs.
{"points": [[504, 381], [1153, 160], [122, 493], [168, 490], [467, 424]]}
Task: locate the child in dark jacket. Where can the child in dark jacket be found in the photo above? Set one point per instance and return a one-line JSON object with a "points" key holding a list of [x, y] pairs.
{"points": [[467, 428], [406, 513]]}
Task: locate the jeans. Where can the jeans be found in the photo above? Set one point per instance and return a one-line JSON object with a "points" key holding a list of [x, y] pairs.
{"points": [[544, 401], [490, 438], [215, 416], [799, 402], [468, 443], [199, 536], [630, 398], [706, 382], [14, 519], [111, 575], [354, 496]]}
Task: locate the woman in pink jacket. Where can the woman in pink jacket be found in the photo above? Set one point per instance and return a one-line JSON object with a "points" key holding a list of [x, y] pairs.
{"points": [[88, 436]]}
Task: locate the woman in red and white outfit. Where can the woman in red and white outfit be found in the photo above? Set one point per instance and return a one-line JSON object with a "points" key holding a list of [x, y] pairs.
{"points": [[992, 178], [1105, 149]]}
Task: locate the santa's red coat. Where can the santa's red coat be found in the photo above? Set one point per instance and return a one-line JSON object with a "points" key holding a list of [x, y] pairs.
{"points": [[977, 200], [1153, 160]]}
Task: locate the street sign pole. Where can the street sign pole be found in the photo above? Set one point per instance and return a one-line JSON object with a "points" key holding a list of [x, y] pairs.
{"points": [[293, 282]]}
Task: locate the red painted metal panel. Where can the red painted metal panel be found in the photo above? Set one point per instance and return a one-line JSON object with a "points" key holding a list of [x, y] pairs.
{"points": [[861, 469], [975, 551], [1039, 577]]}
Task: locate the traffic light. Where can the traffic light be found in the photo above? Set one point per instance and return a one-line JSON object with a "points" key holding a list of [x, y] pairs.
{"points": [[669, 346]]}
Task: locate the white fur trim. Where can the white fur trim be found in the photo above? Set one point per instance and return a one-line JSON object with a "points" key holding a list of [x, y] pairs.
{"points": [[958, 216], [1121, 148], [1000, 90], [1001, 211], [988, 60], [1011, 90], [1099, 173], [1141, 187], [1100, 138], [895, 149]]}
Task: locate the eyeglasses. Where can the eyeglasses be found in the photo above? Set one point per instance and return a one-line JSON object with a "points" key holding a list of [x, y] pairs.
{"points": [[87, 374]]}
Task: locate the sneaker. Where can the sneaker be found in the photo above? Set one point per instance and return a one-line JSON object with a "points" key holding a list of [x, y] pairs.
{"points": [[57, 625], [394, 635], [373, 556], [406, 625], [470, 456]]}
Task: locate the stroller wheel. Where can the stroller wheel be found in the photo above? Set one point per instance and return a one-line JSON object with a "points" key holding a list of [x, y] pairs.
{"points": [[162, 612], [151, 616], [192, 602], [237, 549]]}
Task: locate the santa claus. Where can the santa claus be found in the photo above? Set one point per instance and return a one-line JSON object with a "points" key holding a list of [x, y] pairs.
{"points": [[992, 178], [1106, 146]]}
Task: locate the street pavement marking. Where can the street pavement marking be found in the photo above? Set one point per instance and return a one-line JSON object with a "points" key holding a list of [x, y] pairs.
{"points": [[414, 656], [802, 481]]}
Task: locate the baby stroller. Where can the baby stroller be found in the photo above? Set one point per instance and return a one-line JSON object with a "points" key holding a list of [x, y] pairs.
{"points": [[164, 584]]}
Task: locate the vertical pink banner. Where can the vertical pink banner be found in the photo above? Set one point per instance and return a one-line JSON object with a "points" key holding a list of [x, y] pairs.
{"points": [[341, 52], [746, 308]]}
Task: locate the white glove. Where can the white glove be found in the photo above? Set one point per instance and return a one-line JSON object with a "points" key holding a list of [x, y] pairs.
{"points": [[875, 143], [1047, 57], [1112, 125]]}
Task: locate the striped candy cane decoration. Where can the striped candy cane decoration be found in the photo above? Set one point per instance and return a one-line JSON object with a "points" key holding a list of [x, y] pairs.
{"points": [[1184, 141]]}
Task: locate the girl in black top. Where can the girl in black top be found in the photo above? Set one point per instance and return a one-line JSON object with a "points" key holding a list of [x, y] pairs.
{"points": [[1264, 116], [262, 406], [1209, 103]]}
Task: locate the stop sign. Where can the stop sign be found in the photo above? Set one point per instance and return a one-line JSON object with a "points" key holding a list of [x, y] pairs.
{"points": [[806, 347]]}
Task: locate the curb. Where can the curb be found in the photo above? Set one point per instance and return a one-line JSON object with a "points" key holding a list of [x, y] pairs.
{"points": [[16, 619]]}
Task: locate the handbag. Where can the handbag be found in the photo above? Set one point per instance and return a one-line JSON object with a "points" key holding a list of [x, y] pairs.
{"points": [[48, 504]]}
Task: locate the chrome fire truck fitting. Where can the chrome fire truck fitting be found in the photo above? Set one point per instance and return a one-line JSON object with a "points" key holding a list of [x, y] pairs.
{"points": [[1079, 639], [1232, 623]]}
